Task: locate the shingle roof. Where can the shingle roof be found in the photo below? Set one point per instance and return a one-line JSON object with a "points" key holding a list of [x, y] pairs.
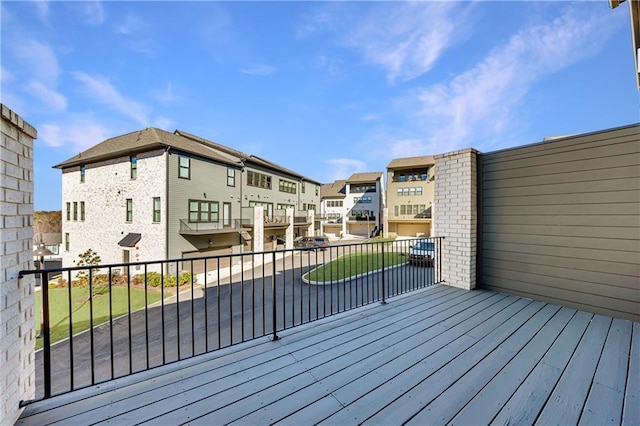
{"points": [[403, 163], [333, 190], [364, 177], [250, 160], [146, 140]]}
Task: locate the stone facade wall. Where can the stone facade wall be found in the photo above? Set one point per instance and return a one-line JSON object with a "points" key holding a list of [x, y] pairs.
{"points": [[456, 217], [106, 187], [17, 333]]}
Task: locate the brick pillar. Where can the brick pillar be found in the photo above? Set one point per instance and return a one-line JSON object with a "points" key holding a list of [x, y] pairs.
{"points": [[455, 215], [17, 333]]}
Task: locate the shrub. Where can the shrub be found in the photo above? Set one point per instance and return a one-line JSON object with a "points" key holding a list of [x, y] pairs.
{"points": [[154, 279]]}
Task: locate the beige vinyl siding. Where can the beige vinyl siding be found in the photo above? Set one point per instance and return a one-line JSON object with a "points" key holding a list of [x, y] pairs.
{"points": [[206, 177], [560, 221]]}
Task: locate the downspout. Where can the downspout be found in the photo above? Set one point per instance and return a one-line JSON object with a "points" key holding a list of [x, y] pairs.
{"points": [[166, 203]]}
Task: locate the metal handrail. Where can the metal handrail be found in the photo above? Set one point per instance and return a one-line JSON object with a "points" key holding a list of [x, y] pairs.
{"points": [[223, 300]]}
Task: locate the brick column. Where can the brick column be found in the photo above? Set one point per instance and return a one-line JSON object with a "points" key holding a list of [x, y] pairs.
{"points": [[17, 333], [455, 215]]}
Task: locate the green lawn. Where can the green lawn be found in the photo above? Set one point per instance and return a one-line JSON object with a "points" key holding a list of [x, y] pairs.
{"points": [[353, 264], [59, 307]]}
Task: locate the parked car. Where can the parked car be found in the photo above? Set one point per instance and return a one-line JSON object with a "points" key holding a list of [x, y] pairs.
{"points": [[422, 253], [311, 242]]}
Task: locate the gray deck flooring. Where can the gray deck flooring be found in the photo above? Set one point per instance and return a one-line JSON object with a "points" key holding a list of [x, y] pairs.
{"points": [[435, 356]]}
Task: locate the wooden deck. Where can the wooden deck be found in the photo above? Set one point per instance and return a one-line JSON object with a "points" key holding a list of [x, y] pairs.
{"points": [[435, 356]]}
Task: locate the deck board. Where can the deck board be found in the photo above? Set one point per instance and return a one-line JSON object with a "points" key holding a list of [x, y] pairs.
{"points": [[433, 356]]}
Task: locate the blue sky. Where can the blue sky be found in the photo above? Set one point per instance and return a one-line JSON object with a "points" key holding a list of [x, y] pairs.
{"points": [[324, 88]]}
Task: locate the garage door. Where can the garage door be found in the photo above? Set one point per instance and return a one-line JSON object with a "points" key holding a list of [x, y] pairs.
{"points": [[560, 221]]}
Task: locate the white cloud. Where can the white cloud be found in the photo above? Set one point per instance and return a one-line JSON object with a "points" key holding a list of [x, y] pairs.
{"points": [[40, 60], [6, 76], [101, 90], [406, 39], [370, 117], [42, 10], [165, 95], [164, 123], [93, 12], [259, 69], [479, 104], [129, 25], [54, 100], [76, 136], [343, 168]]}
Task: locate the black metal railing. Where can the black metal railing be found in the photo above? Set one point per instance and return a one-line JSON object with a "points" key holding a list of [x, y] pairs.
{"points": [[106, 321]]}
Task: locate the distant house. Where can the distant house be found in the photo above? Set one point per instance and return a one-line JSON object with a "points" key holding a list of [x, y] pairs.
{"points": [[52, 241], [151, 194], [354, 206], [332, 211], [410, 189]]}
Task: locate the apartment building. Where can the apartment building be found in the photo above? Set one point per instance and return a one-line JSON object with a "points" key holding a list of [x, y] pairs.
{"points": [[354, 207], [152, 194], [332, 208], [410, 189]]}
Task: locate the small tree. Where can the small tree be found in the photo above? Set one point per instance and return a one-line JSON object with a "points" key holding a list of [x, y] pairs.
{"points": [[88, 258]]}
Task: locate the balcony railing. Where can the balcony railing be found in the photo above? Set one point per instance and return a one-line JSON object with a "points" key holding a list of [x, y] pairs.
{"points": [[186, 226], [106, 321]]}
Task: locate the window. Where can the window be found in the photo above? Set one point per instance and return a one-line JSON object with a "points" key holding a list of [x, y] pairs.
{"points": [[311, 207], [409, 209], [66, 242], [75, 210], [285, 206], [287, 186], [129, 210], [203, 211], [266, 207], [184, 167], [83, 171], [363, 188], [362, 215], [134, 166], [362, 200], [156, 209], [82, 210], [334, 217], [68, 211], [334, 203], [408, 191], [231, 176], [302, 184], [259, 180]]}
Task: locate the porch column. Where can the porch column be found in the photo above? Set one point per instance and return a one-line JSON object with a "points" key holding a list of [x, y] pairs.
{"points": [[311, 217], [455, 215], [258, 229], [288, 235], [17, 333]]}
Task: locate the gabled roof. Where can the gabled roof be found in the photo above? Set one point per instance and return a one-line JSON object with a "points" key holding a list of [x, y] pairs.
{"points": [[364, 177], [146, 140], [249, 160], [408, 162], [333, 190]]}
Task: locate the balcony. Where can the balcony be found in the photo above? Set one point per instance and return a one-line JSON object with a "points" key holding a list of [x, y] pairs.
{"points": [[208, 228], [361, 218], [432, 356]]}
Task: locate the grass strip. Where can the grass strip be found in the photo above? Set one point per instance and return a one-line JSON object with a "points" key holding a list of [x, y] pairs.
{"points": [[80, 311], [353, 264]]}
